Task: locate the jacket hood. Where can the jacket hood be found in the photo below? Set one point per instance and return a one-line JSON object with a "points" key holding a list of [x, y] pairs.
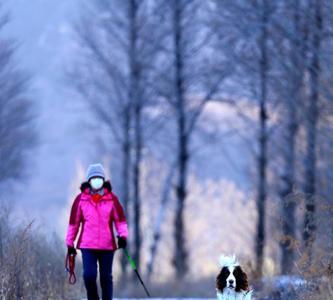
{"points": [[106, 185]]}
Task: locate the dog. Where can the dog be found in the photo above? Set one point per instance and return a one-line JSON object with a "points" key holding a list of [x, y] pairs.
{"points": [[232, 282]]}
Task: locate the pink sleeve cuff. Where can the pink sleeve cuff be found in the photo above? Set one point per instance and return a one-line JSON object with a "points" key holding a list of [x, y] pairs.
{"points": [[121, 228]]}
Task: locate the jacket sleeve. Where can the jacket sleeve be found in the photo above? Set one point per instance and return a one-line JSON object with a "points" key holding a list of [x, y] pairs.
{"points": [[119, 218], [74, 222]]}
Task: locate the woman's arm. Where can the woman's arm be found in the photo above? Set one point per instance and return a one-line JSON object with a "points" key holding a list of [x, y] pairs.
{"points": [[119, 218], [74, 222]]}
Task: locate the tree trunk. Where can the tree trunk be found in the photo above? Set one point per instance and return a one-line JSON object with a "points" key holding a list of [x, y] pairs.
{"points": [[136, 178], [180, 254], [125, 179], [286, 194], [1, 245], [135, 99], [311, 132], [159, 220], [288, 176], [262, 157]]}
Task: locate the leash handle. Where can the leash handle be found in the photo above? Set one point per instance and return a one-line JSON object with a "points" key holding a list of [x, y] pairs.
{"points": [[131, 261], [70, 267]]}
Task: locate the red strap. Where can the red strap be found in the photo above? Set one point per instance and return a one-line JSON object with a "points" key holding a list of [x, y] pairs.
{"points": [[70, 266]]}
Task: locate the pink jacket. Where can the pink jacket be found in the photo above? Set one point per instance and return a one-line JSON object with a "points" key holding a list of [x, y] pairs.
{"points": [[97, 220]]}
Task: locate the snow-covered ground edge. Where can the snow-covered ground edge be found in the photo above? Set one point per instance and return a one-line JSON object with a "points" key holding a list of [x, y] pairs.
{"points": [[253, 298], [160, 298]]}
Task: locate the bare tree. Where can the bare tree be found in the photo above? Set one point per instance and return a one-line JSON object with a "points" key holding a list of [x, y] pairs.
{"points": [[137, 109], [180, 258], [290, 38], [116, 84], [249, 24], [165, 197], [316, 14], [141, 51], [17, 133], [187, 89], [103, 83], [262, 139]]}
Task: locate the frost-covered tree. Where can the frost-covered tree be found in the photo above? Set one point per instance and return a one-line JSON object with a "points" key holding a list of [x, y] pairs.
{"points": [[290, 40], [17, 132], [113, 76], [187, 81], [101, 76], [312, 114], [250, 25]]}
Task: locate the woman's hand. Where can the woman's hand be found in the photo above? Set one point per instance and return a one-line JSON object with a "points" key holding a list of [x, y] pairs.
{"points": [[71, 250], [122, 243]]}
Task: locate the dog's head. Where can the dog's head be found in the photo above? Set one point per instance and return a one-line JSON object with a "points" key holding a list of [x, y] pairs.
{"points": [[231, 275]]}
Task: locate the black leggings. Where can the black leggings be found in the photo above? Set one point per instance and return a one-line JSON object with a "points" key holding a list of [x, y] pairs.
{"points": [[105, 260]]}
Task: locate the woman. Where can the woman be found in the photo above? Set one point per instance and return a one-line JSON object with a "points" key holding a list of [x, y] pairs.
{"points": [[97, 208]]}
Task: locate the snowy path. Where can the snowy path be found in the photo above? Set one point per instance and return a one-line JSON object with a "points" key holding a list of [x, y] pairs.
{"points": [[160, 298]]}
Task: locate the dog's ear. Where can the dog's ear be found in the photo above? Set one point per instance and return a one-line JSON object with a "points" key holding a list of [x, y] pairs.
{"points": [[242, 282], [221, 279]]}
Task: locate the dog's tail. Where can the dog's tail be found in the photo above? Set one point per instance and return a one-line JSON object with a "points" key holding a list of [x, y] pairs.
{"points": [[226, 260]]}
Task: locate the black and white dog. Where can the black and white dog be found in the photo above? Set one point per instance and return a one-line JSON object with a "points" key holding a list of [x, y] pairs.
{"points": [[232, 282]]}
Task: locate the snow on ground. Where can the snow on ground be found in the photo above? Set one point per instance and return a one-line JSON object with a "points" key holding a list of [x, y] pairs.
{"points": [[160, 298]]}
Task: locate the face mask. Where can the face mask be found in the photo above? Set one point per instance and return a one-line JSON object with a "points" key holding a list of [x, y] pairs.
{"points": [[96, 183]]}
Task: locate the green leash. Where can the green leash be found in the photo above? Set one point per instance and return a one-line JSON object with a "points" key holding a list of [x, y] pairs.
{"points": [[135, 269]]}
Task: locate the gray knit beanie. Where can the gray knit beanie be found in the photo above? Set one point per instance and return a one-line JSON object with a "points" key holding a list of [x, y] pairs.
{"points": [[95, 170]]}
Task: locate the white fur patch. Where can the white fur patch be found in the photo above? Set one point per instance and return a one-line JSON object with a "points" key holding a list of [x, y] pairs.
{"points": [[232, 295]]}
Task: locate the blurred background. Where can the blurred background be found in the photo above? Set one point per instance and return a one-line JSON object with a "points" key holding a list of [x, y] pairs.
{"points": [[213, 119]]}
